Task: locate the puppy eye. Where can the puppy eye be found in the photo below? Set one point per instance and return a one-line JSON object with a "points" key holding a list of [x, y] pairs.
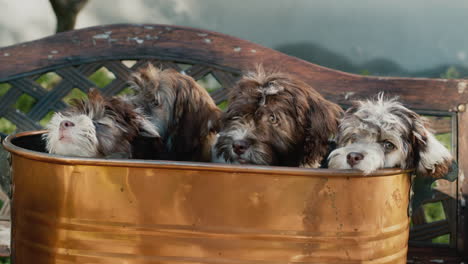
{"points": [[272, 118], [271, 83], [388, 146]]}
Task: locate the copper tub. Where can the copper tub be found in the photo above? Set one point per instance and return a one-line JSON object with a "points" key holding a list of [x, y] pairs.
{"points": [[76, 210]]}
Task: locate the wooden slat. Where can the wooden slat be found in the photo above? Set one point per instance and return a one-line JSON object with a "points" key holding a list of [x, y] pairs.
{"points": [[418, 217], [462, 212], [197, 71], [5, 231], [431, 255], [166, 65], [429, 231], [43, 106], [219, 51], [9, 99], [20, 120], [440, 125], [219, 95], [225, 79], [29, 86]]}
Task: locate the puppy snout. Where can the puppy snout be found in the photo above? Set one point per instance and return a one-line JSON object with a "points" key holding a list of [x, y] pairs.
{"points": [[354, 158], [66, 124], [240, 146]]}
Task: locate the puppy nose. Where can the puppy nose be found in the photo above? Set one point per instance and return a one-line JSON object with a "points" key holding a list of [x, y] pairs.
{"points": [[66, 124], [240, 146], [354, 158]]}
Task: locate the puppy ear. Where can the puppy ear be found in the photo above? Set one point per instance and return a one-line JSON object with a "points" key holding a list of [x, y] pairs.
{"points": [[145, 78], [435, 161], [322, 124], [431, 157]]}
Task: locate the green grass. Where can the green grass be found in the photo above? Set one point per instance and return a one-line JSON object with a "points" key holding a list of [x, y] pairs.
{"points": [[25, 103], [49, 80], [223, 105], [434, 212], [102, 77], [445, 239], [446, 139], [127, 91], [5, 260], [4, 87], [6, 126], [75, 93]]}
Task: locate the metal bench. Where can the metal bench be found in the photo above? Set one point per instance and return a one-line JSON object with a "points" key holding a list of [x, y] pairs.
{"points": [[71, 60]]}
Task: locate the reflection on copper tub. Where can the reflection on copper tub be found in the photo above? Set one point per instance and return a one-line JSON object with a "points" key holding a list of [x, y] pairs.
{"points": [[78, 210]]}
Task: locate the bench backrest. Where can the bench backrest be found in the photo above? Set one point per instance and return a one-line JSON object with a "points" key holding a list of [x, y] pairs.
{"points": [[36, 77]]}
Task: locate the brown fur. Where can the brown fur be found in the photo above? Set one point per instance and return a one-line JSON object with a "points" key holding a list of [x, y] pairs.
{"points": [[292, 122], [181, 110]]}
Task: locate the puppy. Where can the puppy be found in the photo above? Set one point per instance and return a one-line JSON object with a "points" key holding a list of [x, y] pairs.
{"points": [[274, 119], [382, 133], [97, 127], [182, 112]]}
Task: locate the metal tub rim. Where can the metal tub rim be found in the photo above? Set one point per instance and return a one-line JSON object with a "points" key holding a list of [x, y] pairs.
{"points": [[200, 166]]}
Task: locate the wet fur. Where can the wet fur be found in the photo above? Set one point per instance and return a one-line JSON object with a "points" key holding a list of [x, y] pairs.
{"points": [[284, 119], [180, 109], [102, 127], [368, 124]]}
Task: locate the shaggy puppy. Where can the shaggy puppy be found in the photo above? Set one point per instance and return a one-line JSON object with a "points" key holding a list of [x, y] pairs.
{"points": [[274, 119], [96, 127], [182, 112], [383, 133]]}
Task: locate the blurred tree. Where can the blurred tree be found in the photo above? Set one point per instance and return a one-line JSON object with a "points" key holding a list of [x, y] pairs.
{"points": [[66, 12], [451, 73]]}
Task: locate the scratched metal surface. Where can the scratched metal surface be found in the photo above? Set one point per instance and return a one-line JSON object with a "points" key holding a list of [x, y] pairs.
{"points": [[101, 211]]}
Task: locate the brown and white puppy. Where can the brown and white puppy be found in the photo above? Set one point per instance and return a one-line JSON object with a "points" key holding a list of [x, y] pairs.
{"points": [[96, 127], [382, 133], [182, 111], [274, 119]]}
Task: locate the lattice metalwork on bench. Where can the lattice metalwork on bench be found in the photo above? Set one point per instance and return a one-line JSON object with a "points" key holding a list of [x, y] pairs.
{"points": [[27, 103]]}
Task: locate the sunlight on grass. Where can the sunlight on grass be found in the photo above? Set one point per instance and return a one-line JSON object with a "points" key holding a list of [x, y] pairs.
{"points": [[126, 91], [4, 87], [434, 212], [6, 126], [75, 93], [444, 239], [102, 77], [24, 103], [46, 119], [446, 139], [223, 105], [49, 80]]}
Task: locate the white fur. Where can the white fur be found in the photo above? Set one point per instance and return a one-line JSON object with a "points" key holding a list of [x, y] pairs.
{"points": [[435, 154], [374, 122], [79, 140], [373, 157]]}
